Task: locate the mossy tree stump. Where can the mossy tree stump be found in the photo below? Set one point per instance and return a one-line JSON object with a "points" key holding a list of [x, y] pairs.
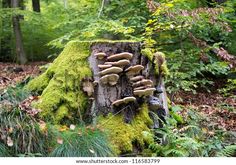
{"points": [[71, 91]]}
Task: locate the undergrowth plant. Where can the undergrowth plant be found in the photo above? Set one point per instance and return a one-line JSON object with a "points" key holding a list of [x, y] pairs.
{"points": [[20, 133], [195, 137]]}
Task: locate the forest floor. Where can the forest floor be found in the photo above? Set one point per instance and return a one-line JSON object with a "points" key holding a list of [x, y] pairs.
{"points": [[220, 110]]}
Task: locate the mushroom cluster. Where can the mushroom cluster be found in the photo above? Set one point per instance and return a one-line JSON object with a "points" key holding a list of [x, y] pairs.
{"points": [[141, 86], [113, 65], [117, 63]]}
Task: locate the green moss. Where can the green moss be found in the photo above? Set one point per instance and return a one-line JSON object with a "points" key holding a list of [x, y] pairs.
{"points": [[123, 136], [149, 53], [38, 84], [61, 112], [60, 84]]}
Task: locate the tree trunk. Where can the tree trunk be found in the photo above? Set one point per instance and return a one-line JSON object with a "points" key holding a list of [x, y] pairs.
{"points": [[65, 4], [36, 5], [20, 53]]}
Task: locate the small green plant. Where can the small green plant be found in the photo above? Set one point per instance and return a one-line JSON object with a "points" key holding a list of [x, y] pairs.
{"points": [[82, 142]]}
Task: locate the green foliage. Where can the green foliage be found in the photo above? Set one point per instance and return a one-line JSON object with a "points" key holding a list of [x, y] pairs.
{"points": [[36, 32], [113, 22], [83, 142], [230, 87], [194, 137], [170, 30]]}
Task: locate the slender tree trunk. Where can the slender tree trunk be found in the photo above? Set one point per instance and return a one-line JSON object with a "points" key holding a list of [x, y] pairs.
{"points": [[20, 53], [65, 4], [36, 5]]}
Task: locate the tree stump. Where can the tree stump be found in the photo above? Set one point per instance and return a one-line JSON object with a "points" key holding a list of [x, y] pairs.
{"points": [[110, 83]]}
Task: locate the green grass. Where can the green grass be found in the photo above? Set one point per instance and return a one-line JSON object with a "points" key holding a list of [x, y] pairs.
{"points": [[83, 142]]}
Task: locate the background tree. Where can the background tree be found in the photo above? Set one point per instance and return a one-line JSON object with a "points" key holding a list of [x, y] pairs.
{"points": [[36, 5], [20, 53]]}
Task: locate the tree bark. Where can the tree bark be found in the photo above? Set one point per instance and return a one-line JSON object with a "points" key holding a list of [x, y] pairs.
{"points": [[36, 5], [20, 53]]}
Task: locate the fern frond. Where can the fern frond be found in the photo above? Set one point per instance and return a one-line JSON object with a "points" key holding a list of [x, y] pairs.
{"points": [[228, 151]]}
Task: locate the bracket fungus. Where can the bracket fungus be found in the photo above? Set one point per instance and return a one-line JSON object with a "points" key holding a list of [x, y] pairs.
{"points": [[124, 55], [111, 70], [119, 63], [110, 79], [124, 101], [143, 83], [95, 83], [100, 55], [134, 70], [104, 66], [145, 92], [136, 78], [142, 87]]}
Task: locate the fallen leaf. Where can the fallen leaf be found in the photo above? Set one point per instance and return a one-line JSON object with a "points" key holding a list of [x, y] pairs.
{"points": [[9, 142], [92, 151], [72, 127], [59, 140]]}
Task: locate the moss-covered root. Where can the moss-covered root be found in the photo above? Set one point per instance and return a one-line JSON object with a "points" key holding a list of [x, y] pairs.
{"points": [[123, 136], [60, 85], [159, 59]]}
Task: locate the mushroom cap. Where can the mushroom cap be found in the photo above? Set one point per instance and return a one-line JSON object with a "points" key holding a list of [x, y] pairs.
{"points": [[144, 92], [143, 82], [142, 87], [134, 70], [136, 78], [124, 55], [95, 83], [123, 62], [124, 101], [149, 91], [129, 99], [110, 79], [104, 66], [118, 102], [100, 55], [111, 70]]}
